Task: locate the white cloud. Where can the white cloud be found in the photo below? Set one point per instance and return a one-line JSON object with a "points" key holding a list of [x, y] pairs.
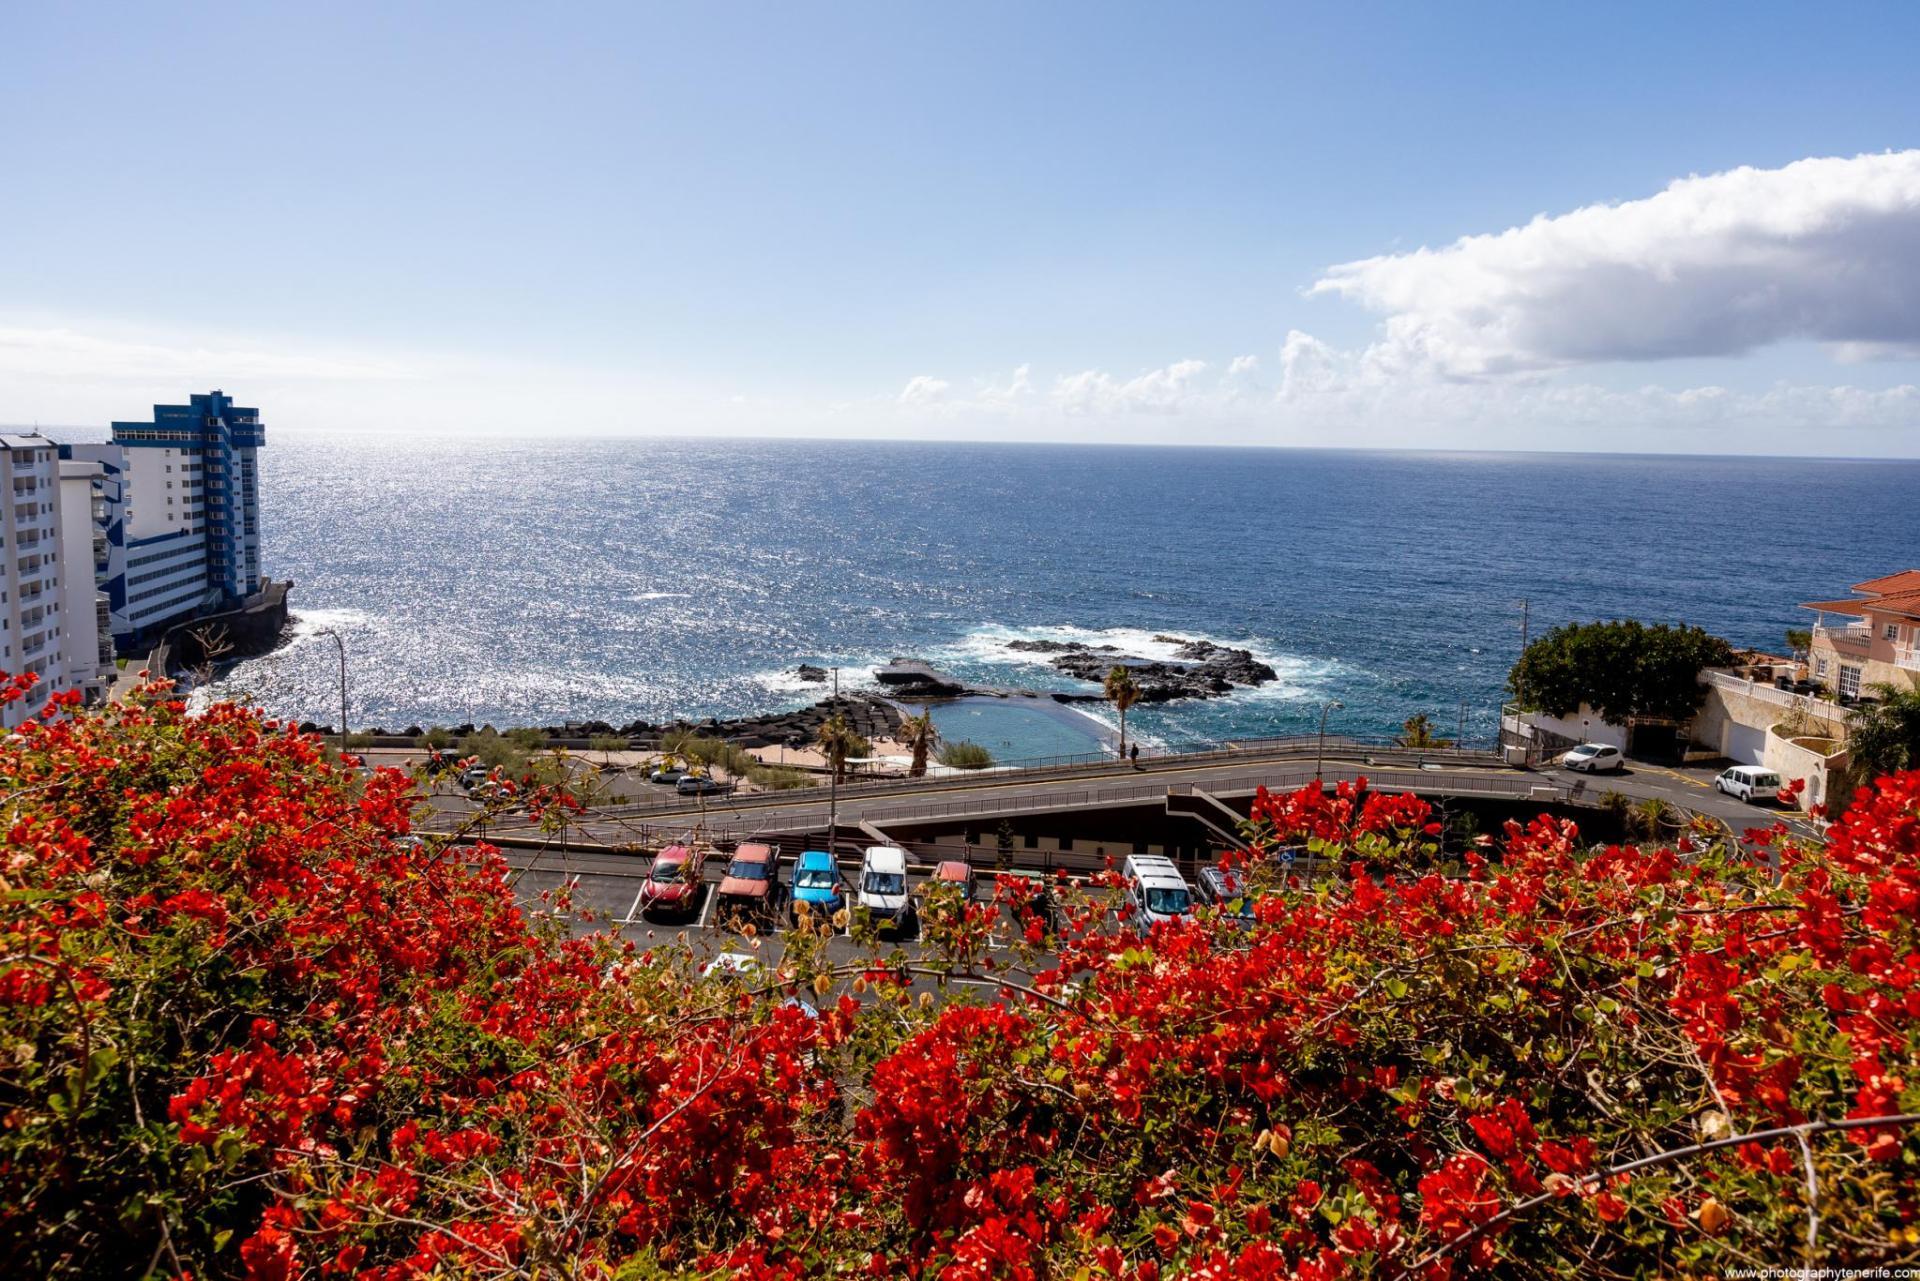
{"points": [[1327, 395], [1823, 249], [1158, 391], [924, 389]]}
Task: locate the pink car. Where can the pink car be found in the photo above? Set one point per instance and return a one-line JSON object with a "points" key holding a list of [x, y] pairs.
{"points": [[673, 883]]}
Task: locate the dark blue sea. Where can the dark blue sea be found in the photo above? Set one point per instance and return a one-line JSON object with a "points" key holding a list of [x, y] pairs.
{"points": [[534, 581]]}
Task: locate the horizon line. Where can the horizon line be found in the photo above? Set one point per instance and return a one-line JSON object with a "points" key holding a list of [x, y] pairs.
{"points": [[729, 437]]}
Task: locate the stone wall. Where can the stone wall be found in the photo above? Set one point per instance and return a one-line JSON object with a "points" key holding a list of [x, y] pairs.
{"points": [[252, 629]]}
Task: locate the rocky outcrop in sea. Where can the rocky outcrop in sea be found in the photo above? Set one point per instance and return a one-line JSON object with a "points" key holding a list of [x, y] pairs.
{"points": [[1199, 668]]}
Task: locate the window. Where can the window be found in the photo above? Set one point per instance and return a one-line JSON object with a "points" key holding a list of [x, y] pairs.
{"points": [[1892, 631], [1820, 667], [1849, 681]]}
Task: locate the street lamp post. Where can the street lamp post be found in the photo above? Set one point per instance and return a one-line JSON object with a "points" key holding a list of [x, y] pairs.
{"points": [[342, 647], [1319, 755]]}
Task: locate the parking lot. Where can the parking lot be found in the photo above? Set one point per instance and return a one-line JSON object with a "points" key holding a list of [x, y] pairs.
{"points": [[606, 896]]}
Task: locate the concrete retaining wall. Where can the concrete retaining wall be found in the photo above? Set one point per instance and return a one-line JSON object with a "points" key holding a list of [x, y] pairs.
{"points": [[1737, 716]]}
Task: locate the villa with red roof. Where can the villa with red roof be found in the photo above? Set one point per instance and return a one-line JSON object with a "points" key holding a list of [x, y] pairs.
{"points": [[1874, 638]]}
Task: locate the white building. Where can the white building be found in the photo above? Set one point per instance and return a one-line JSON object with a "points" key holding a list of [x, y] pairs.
{"points": [[31, 615], [84, 616]]}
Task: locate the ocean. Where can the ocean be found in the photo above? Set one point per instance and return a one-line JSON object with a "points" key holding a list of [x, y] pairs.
{"points": [[538, 580]]}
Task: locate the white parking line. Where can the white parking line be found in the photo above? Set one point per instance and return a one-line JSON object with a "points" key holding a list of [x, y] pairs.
{"points": [[706, 908], [633, 913]]}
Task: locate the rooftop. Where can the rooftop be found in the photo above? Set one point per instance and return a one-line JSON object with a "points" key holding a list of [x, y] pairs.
{"points": [[1890, 594]]}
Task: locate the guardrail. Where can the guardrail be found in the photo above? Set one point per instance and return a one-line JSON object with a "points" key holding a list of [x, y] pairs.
{"points": [[1523, 788], [1038, 768]]}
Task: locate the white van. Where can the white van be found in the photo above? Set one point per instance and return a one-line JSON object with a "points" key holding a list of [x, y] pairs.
{"points": [[1155, 891], [883, 884], [1749, 783]]}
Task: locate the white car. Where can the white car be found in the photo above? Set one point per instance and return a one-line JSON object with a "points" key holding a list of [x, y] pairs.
{"points": [[883, 884], [1155, 891], [1595, 758], [1749, 783]]}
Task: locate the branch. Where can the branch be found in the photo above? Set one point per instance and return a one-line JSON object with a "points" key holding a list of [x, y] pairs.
{"points": [[1666, 1158]]}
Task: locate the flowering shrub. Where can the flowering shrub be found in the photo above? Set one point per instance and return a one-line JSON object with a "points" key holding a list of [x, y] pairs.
{"points": [[249, 1026]]}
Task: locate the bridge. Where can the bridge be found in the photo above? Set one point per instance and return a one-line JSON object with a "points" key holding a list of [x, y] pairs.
{"points": [[1200, 788]]}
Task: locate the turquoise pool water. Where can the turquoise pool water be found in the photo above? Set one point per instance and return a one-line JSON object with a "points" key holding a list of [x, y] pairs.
{"points": [[1020, 729]]}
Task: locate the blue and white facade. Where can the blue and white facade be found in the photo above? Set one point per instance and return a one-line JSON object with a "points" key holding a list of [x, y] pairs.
{"points": [[181, 520]]}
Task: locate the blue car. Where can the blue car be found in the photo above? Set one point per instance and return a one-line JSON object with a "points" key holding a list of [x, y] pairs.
{"points": [[816, 882]]}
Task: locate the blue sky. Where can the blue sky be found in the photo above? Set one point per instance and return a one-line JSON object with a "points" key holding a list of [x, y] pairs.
{"points": [[1051, 221]]}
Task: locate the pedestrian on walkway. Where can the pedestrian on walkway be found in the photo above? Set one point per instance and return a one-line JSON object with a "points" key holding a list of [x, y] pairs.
{"points": [[1133, 754]]}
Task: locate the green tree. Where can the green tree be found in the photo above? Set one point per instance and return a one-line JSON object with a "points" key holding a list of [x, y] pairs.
{"points": [[1799, 641], [1884, 737], [920, 737], [965, 755], [607, 745], [1417, 731], [1123, 692], [1625, 670]]}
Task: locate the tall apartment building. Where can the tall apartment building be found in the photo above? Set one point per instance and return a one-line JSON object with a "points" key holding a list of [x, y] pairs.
{"points": [[182, 513], [30, 570], [86, 619]]}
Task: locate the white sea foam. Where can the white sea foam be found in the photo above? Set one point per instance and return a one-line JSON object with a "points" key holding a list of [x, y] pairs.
{"points": [[856, 677], [1295, 677], [308, 622]]}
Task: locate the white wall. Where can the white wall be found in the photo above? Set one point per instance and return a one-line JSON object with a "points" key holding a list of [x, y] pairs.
{"points": [[1584, 726], [164, 497], [80, 630]]}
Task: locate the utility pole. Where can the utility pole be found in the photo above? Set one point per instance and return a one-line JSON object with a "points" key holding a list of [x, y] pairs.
{"points": [[833, 773], [342, 647]]}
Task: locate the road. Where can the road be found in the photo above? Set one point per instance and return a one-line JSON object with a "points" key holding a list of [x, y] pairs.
{"points": [[1014, 794]]}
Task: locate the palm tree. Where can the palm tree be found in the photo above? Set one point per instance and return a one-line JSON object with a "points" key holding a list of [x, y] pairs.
{"points": [[1418, 732], [1652, 816], [1884, 737], [1123, 692], [836, 739], [920, 737]]}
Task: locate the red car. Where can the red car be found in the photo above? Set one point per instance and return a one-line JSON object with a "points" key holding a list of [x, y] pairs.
{"points": [[673, 883], [955, 872], [748, 884]]}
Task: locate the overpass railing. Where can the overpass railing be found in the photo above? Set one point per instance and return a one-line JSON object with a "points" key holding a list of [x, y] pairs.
{"points": [[1037, 768]]}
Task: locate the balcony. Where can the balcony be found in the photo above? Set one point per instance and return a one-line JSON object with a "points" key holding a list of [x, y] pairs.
{"points": [[1907, 657]]}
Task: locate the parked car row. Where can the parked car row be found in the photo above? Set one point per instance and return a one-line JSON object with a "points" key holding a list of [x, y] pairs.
{"points": [[1153, 890]]}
